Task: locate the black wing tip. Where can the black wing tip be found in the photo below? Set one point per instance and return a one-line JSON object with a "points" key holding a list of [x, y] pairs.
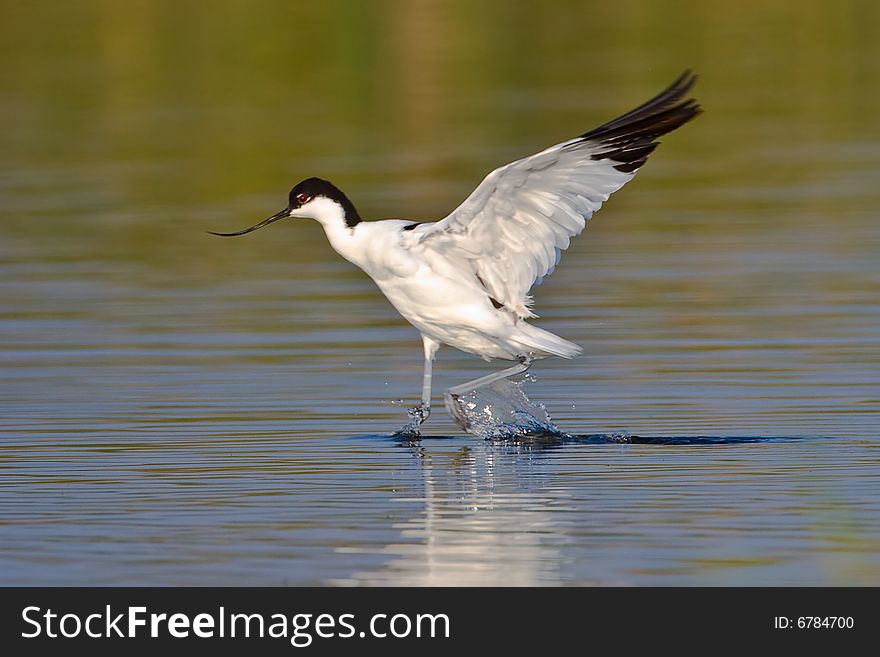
{"points": [[667, 100], [684, 82], [631, 137]]}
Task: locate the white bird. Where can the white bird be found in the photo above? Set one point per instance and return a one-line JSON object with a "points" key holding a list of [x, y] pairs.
{"points": [[464, 281]]}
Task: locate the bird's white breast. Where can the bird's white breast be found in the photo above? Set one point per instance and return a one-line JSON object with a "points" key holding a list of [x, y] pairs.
{"points": [[440, 297]]}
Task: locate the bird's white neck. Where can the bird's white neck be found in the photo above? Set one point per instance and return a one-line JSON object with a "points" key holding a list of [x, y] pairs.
{"points": [[332, 217]]}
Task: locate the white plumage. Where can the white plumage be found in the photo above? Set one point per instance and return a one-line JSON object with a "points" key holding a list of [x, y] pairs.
{"points": [[512, 229], [465, 281]]}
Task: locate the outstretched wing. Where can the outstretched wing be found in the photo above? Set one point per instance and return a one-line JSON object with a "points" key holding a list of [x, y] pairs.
{"points": [[515, 224]]}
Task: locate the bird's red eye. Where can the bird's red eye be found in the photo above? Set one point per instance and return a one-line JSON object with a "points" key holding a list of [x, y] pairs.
{"points": [[303, 198]]}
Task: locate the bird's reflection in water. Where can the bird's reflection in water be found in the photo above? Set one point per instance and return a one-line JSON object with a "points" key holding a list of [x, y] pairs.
{"points": [[491, 512], [487, 519]]}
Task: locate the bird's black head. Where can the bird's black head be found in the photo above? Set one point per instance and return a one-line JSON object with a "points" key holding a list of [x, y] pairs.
{"points": [[308, 190], [309, 198]]}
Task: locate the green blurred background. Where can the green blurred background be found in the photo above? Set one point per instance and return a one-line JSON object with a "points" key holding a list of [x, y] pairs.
{"points": [[133, 125]]}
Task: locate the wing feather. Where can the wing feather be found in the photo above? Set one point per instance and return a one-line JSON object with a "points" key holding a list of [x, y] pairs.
{"points": [[515, 224]]}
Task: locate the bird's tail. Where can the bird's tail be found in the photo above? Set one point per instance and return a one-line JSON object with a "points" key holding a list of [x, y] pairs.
{"points": [[539, 342]]}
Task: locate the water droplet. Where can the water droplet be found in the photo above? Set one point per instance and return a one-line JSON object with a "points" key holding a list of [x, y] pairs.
{"points": [[503, 411]]}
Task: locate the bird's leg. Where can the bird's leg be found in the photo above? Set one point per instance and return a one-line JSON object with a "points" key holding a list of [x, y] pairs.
{"points": [[453, 395], [423, 411], [524, 363]]}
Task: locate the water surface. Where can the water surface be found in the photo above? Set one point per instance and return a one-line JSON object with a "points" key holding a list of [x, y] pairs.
{"points": [[180, 409]]}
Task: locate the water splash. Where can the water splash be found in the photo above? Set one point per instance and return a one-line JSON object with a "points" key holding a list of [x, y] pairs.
{"points": [[411, 430], [502, 411]]}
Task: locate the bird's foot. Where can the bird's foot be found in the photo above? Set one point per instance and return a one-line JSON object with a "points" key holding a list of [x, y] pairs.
{"points": [[417, 416], [457, 410]]}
